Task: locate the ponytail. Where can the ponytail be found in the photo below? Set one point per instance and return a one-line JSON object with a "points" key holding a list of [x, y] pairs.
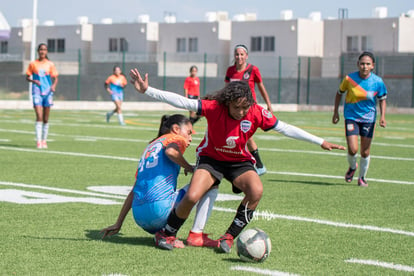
{"points": [[168, 121]]}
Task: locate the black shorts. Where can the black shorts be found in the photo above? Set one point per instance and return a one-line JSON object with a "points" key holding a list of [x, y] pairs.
{"points": [[193, 97], [228, 170], [358, 128]]}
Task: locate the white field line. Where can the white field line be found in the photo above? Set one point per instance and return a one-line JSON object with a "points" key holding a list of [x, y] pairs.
{"points": [[77, 137], [261, 271], [398, 267], [71, 154], [270, 216], [22, 185], [264, 215], [137, 160], [334, 153], [341, 177]]}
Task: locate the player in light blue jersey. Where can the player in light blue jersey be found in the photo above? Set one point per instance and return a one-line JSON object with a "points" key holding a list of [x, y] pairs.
{"points": [[154, 193], [362, 89]]}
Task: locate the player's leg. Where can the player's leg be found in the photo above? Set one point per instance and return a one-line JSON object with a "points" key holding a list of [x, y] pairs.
{"points": [[254, 150], [367, 132], [201, 182], [352, 133], [197, 237], [248, 182], [45, 127], [118, 104], [38, 124]]}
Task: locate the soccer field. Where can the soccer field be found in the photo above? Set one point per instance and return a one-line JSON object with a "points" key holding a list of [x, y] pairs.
{"points": [[54, 202]]}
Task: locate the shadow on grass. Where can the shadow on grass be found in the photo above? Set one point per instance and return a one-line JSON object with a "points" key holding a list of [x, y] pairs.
{"points": [[118, 238], [308, 182]]}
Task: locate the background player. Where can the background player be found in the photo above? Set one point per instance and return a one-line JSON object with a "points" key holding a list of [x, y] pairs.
{"points": [[192, 90], [363, 88], [115, 85], [243, 71], [43, 75]]}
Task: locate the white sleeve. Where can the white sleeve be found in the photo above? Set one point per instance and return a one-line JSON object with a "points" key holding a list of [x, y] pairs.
{"points": [[173, 99], [297, 133]]}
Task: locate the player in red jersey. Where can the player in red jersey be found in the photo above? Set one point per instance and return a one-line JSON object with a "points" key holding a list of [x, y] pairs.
{"points": [[192, 90], [232, 118], [243, 71]]}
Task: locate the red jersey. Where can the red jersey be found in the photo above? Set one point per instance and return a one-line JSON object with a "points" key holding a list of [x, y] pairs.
{"points": [[192, 85], [226, 138], [251, 74]]}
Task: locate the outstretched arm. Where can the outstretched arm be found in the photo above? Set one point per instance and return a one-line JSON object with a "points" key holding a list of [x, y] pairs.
{"points": [[113, 229], [141, 85], [297, 133]]}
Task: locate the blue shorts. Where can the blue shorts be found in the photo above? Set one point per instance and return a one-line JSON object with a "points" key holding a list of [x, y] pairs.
{"points": [[43, 100], [117, 97], [152, 216], [357, 128]]}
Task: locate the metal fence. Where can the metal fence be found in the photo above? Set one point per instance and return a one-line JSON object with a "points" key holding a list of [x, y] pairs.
{"points": [[300, 80]]}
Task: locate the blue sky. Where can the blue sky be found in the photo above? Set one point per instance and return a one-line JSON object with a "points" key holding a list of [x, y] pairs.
{"points": [[66, 12]]}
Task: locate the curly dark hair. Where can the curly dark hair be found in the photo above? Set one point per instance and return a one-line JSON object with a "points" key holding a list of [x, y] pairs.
{"points": [[232, 92]]}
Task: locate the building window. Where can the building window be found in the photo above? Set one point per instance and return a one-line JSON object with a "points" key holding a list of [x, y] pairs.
{"points": [[352, 44], [269, 44], [193, 44], [4, 45], [113, 45], [256, 44], [181, 45], [366, 43], [123, 43], [61, 45], [51, 45]]}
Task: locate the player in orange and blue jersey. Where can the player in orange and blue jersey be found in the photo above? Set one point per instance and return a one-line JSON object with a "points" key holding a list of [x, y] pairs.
{"points": [[154, 193], [115, 85], [362, 89], [43, 75]]}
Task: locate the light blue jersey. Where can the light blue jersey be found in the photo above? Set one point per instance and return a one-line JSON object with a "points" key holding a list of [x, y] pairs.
{"points": [[155, 187], [361, 97]]}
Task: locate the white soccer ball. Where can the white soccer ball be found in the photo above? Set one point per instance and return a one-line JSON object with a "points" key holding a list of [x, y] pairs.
{"points": [[253, 245]]}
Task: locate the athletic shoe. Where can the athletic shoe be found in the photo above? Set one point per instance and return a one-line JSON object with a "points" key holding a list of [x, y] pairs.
{"points": [[39, 145], [261, 171], [350, 173], [362, 182], [226, 242], [44, 144], [201, 239], [108, 117], [167, 242]]}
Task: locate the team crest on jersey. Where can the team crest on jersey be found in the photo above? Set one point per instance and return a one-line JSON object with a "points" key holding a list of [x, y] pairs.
{"points": [[246, 76], [245, 125], [266, 113]]}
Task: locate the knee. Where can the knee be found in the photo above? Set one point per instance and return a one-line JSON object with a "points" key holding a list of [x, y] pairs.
{"points": [[352, 151]]}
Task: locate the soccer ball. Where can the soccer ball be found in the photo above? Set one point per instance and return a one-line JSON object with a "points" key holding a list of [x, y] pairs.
{"points": [[253, 245]]}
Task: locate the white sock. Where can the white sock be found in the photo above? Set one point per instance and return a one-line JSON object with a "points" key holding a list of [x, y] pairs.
{"points": [[45, 131], [38, 129], [121, 118], [352, 161], [204, 208], [363, 169], [110, 113]]}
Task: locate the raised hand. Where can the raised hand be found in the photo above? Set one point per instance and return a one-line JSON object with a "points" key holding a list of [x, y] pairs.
{"points": [[140, 84]]}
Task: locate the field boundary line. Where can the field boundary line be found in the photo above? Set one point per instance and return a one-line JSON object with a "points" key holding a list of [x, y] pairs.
{"points": [[398, 267], [261, 271], [269, 216]]}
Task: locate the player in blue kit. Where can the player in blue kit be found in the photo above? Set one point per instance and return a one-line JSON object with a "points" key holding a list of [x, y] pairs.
{"points": [[363, 89], [115, 85], [154, 193]]}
